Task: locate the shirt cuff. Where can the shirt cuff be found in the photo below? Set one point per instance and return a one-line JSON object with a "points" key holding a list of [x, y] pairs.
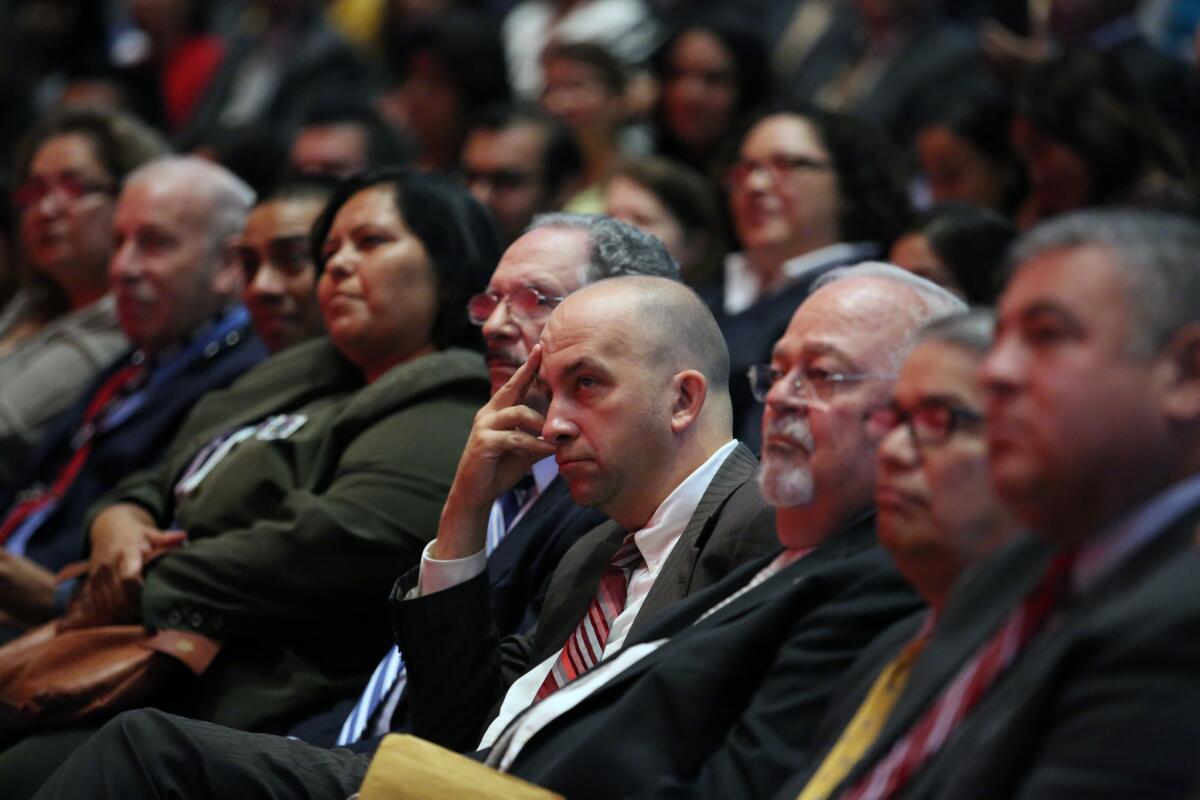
{"points": [[438, 574]]}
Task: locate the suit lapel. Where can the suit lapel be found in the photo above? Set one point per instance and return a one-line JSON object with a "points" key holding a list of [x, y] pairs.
{"points": [[675, 576]]}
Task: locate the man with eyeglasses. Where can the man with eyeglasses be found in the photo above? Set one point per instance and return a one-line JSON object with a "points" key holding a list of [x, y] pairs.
{"points": [[518, 162], [808, 193], [937, 516]]}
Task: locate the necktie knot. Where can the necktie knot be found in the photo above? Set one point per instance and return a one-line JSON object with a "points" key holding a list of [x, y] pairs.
{"points": [[628, 556]]}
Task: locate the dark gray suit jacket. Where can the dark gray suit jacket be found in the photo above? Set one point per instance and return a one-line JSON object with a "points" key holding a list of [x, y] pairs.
{"points": [[459, 668], [729, 704], [1105, 703]]}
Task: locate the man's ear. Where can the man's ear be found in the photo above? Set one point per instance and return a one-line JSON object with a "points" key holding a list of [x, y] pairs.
{"points": [[1182, 358], [689, 388]]}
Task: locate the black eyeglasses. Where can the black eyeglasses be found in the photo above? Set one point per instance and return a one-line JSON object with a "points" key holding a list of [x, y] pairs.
{"points": [[69, 187], [532, 304], [930, 423], [778, 168], [814, 383]]}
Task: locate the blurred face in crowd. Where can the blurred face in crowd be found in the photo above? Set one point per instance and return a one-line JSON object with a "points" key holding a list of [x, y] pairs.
{"points": [[430, 102], [340, 150], [1059, 179], [279, 273], [575, 92], [913, 252], [378, 291], [609, 398], [783, 190], [169, 271], [550, 261], [66, 206], [937, 512], [957, 170], [630, 201], [504, 171], [700, 91], [835, 365], [1075, 416]]}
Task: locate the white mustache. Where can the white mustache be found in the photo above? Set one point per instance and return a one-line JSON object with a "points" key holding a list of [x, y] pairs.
{"points": [[792, 427]]}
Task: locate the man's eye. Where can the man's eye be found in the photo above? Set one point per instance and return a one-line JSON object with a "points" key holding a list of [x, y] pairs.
{"points": [[818, 375], [585, 382]]}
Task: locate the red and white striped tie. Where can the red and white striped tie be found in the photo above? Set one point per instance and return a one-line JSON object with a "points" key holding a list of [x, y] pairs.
{"points": [[585, 646]]}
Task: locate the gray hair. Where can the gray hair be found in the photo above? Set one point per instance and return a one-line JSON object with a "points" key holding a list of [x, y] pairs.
{"points": [[1156, 254], [973, 330], [617, 248], [935, 302], [229, 197]]}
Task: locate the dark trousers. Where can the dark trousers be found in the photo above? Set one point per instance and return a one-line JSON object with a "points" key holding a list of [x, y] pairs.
{"points": [[150, 754]]}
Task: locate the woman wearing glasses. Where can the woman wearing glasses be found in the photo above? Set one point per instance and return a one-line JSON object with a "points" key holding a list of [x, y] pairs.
{"points": [[60, 329]]}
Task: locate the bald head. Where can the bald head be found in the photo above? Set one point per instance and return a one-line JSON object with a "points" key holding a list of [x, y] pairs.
{"points": [[637, 372]]}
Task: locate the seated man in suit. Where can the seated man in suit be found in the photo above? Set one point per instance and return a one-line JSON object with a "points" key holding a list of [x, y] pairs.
{"points": [[1069, 665], [529, 526], [177, 291], [937, 518], [633, 365]]}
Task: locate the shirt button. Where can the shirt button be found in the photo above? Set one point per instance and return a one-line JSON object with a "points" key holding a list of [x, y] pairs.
{"points": [[174, 617], [196, 619], [232, 337]]}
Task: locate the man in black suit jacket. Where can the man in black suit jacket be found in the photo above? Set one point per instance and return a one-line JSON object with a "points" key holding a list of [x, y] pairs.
{"points": [[720, 697], [1094, 438]]}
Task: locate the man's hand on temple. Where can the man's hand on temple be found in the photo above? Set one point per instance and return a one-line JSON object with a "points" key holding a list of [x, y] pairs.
{"points": [[502, 448]]}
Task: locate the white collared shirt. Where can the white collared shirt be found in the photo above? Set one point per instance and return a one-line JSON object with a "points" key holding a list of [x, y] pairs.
{"points": [[743, 287], [655, 542]]}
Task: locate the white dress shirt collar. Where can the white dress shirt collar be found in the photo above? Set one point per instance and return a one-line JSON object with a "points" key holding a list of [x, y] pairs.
{"points": [[743, 287]]}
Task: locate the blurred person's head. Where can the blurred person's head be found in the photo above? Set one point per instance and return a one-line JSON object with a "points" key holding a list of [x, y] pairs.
{"points": [[557, 255], [803, 182], [712, 71], [584, 87], [173, 265], [1087, 136], [832, 369], [959, 247], [676, 204], [966, 155], [255, 153], [400, 254], [518, 161], [68, 172], [1094, 380], [937, 514], [344, 139], [277, 264], [446, 70]]}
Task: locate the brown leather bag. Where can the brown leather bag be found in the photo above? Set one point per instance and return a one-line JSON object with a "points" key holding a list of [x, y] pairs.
{"points": [[52, 677]]}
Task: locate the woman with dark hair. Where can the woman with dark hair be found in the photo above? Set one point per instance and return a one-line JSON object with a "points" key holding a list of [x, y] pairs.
{"points": [[966, 155], [445, 71], [308, 485], [676, 204], [60, 329], [713, 71], [1088, 137], [959, 247]]}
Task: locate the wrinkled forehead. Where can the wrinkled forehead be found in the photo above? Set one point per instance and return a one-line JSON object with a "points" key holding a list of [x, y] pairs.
{"points": [[552, 260], [865, 321]]}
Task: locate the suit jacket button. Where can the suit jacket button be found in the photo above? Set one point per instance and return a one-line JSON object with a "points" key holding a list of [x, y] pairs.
{"points": [[174, 617], [196, 619]]}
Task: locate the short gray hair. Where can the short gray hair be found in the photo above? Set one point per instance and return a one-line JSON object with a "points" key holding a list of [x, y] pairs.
{"points": [[617, 248], [973, 330], [1156, 254], [935, 301], [229, 197]]}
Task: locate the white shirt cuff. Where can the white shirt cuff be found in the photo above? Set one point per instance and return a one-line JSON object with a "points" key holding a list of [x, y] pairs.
{"points": [[438, 574]]}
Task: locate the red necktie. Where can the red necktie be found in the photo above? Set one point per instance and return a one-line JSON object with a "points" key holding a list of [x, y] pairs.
{"points": [[85, 437], [935, 726], [586, 645]]}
